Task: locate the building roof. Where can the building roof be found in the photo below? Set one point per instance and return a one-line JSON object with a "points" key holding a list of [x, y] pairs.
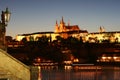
{"points": [[73, 27], [105, 32]]}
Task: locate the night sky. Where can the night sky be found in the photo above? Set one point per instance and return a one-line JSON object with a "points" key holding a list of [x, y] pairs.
{"points": [[29, 16]]}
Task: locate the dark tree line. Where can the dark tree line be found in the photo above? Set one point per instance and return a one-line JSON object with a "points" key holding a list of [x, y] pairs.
{"points": [[48, 50]]}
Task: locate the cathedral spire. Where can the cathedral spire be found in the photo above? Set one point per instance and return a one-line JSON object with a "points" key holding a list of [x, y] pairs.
{"points": [[56, 23], [56, 27], [62, 20], [101, 29], [68, 22]]}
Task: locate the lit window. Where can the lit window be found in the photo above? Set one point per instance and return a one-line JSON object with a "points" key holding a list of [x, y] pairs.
{"points": [[103, 57], [109, 58], [114, 57]]}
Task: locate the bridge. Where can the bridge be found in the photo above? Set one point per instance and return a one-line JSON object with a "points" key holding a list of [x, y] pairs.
{"points": [[12, 69]]}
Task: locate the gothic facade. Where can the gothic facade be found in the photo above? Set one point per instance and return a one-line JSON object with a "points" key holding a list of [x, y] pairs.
{"points": [[62, 27]]}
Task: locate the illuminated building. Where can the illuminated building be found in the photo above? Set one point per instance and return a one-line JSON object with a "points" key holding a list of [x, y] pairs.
{"points": [[66, 31], [109, 57], [99, 37], [65, 28], [35, 36], [62, 30]]}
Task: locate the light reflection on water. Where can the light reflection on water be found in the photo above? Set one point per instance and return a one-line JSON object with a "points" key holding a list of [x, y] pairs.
{"points": [[105, 73]]}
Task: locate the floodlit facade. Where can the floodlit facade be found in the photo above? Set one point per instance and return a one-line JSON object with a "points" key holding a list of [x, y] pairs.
{"points": [[104, 37], [95, 37], [61, 30], [62, 27], [109, 57], [66, 31], [35, 36]]}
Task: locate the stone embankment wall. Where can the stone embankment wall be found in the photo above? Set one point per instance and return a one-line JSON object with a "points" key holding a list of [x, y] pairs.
{"points": [[12, 69]]}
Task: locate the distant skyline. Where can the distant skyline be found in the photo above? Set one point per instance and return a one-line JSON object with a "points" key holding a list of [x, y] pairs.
{"points": [[29, 16]]}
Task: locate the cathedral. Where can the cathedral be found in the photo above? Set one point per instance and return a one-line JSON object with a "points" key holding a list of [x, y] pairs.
{"points": [[62, 27]]}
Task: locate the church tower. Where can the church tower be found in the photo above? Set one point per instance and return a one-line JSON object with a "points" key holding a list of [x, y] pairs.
{"points": [[101, 29], [56, 27], [62, 25]]}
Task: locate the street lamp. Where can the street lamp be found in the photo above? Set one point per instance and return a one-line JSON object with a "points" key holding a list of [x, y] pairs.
{"points": [[5, 17]]}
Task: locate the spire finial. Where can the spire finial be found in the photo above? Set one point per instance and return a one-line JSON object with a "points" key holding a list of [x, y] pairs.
{"points": [[68, 22], [56, 23], [62, 20]]}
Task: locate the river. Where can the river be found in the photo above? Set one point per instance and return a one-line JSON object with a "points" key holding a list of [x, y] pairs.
{"points": [[79, 73]]}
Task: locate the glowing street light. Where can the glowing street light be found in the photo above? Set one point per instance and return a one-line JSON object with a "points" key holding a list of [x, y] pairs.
{"points": [[5, 17]]}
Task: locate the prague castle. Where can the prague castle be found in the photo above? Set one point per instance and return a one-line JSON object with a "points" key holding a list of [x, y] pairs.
{"points": [[68, 30], [61, 30]]}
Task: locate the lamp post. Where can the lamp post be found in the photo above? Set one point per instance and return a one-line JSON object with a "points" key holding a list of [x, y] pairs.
{"points": [[5, 17]]}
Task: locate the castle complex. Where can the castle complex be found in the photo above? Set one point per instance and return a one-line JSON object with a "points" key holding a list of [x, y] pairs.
{"points": [[66, 31], [65, 28]]}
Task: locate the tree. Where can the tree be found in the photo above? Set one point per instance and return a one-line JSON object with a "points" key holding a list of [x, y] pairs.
{"points": [[43, 39]]}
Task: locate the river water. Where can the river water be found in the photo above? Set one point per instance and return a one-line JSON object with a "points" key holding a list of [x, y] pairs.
{"points": [[79, 73]]}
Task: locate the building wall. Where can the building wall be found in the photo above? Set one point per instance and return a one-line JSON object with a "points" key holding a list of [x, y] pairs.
{"points": [[102, 36], [87, 37], [52, 35]]}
